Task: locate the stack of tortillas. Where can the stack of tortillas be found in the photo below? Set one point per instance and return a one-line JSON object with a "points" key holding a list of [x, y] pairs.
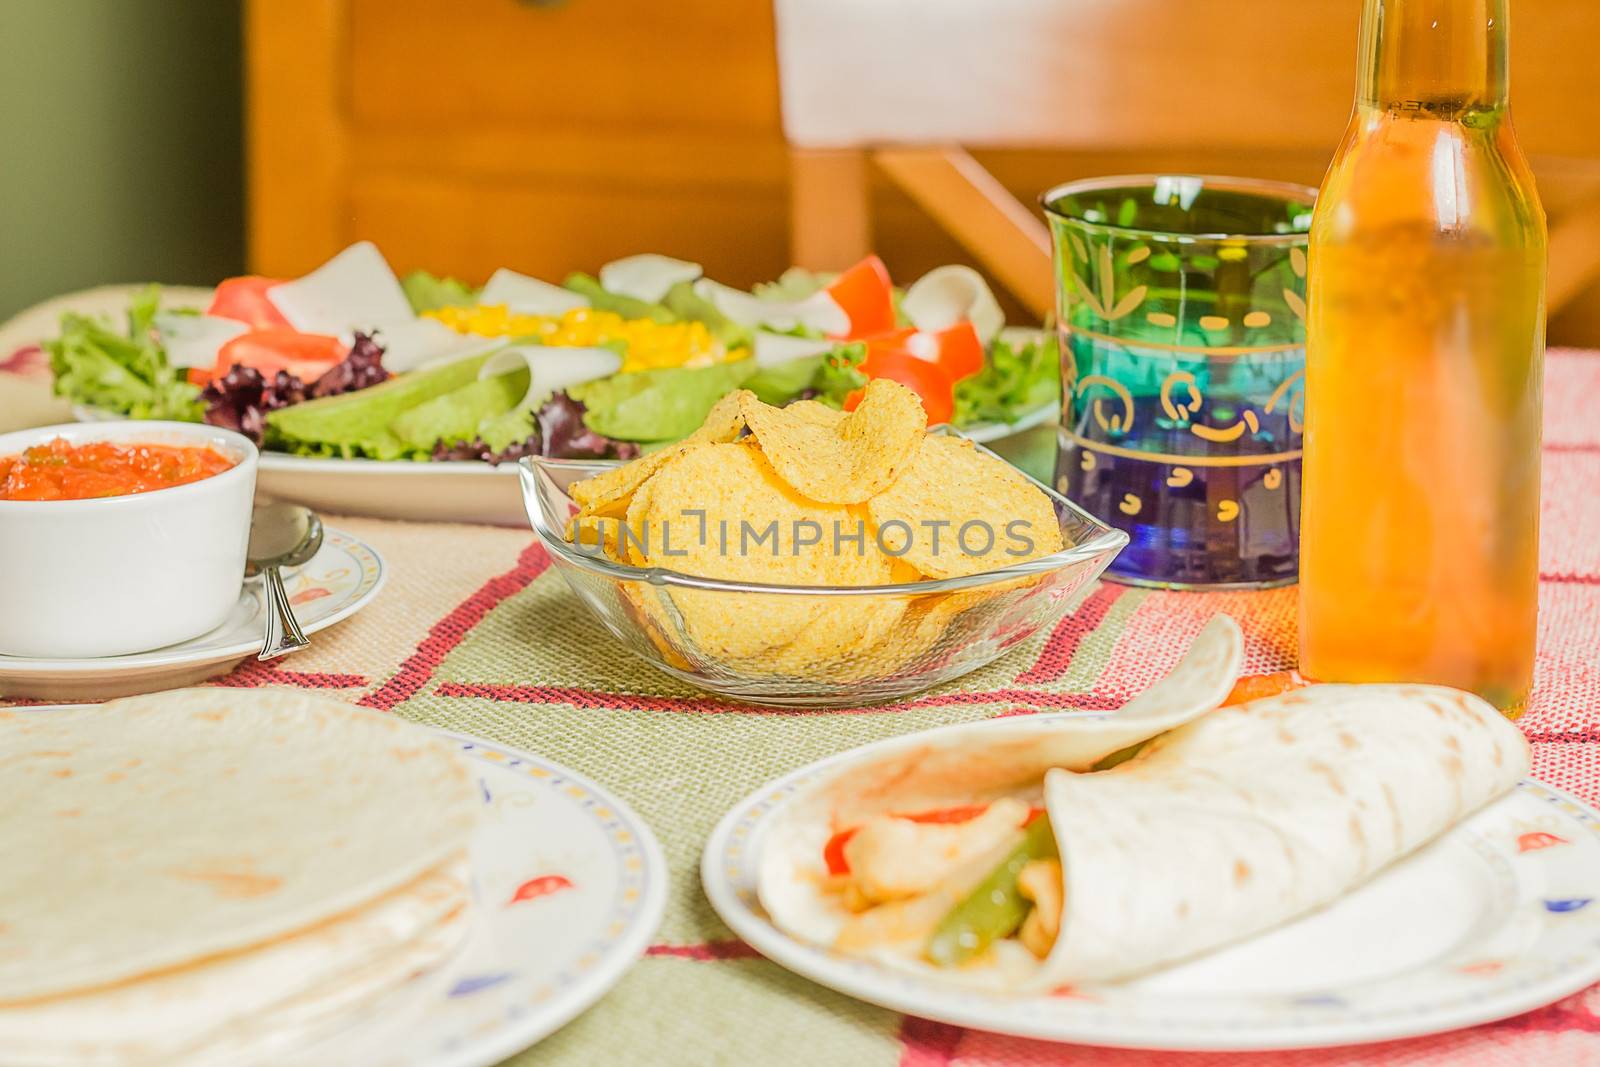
{"points": [[216, 876]]}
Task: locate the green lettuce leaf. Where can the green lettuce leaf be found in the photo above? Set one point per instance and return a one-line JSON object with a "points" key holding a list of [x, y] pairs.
{"points": [[1022, 374], [626, 306], [780, 383], [460, 414], [840, 374], [658, 405], [428, 293], [128, 374], [363, 423], [690, 306], [796, 283], [829, 377]]}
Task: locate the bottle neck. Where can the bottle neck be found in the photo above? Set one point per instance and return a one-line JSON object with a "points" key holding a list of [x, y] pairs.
{"points": [[1440, 56]]}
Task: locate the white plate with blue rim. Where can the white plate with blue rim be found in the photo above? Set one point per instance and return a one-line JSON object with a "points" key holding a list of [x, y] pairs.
{"points": [[569, 887], [1498, 917]]}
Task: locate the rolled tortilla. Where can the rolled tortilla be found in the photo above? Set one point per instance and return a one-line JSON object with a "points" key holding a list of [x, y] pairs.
{"points": [[927, 771], [1245, 818], [972, 764], [1259, 813]]}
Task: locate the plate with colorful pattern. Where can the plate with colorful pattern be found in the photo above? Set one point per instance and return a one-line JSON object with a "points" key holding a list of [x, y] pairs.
{"points": [[570, 886], [339, 581], [1498, 917]]}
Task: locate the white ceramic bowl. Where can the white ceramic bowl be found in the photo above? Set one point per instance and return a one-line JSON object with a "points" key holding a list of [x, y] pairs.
{"points": [[120, 574]]}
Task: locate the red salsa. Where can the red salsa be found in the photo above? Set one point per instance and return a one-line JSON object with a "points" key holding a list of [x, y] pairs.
{"points": [[61, 470]]}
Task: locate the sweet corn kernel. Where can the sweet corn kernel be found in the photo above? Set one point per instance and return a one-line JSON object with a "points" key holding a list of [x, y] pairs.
{"points": [[649, 344]]}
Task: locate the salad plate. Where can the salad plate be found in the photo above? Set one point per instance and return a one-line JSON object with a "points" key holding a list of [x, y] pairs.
{"points": [[398, 398], [339, 581], [454, 490], [1495, 918], [570, 886]]}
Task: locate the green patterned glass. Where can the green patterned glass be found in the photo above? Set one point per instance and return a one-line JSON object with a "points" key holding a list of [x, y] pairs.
{"points": [[1181, 309]]}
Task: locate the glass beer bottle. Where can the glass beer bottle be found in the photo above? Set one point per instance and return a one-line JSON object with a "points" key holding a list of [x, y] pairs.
{"points": [[1424, 369]]}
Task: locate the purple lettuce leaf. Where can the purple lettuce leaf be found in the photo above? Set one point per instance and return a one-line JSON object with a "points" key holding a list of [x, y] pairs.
{"points": [[559, 433], [240, 399], [361, 368]]}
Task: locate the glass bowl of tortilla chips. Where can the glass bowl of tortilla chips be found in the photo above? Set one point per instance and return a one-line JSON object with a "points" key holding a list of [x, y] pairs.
{"points": [[785, 580]]}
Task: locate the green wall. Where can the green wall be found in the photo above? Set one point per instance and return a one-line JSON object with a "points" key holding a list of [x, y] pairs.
{"points": [[120, 144]]}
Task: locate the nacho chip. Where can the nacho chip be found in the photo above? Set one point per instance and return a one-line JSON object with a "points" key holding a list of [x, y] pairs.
{"points": [[720, 511], [642, 602], [843, 460], [609, 493], [957, 511], [836, 641], [601, 531], [817, 412]]}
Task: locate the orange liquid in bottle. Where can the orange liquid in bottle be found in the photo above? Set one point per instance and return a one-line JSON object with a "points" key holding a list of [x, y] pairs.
{"points": [[1424, 370]]}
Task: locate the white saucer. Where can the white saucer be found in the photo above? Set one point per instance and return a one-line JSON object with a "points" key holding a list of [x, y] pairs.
{"points": [[338, 582]]}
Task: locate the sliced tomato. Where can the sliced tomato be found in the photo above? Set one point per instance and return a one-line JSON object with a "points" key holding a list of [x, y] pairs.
{"points": [[305, 355], [928, 380], [245, 300], [867, 297]]}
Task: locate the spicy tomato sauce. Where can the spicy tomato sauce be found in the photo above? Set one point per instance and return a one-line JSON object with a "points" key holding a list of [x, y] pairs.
{"points": [[61, 470]]}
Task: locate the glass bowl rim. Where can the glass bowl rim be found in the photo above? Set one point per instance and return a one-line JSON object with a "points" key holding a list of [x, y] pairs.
{"points": [[1105, 538], [1288, 191]]}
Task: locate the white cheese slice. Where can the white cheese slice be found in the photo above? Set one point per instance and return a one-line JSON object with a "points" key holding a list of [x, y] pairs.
{"points": [[551, 367], [648, 276], [819, 311], [770, 348], [523, 295], [195, 340], [428, 342], [355, 290], [947, 295]]}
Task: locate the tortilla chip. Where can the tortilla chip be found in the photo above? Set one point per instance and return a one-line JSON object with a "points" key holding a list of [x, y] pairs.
{"points": [[609, 493], [957, 511], [845, 460], [720, 511]]}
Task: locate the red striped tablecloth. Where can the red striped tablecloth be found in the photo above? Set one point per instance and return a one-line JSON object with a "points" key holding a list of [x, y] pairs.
{"points": [[474, 632]]}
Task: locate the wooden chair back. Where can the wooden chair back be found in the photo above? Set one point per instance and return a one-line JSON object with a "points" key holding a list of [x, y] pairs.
{"points": [[903, 82]]}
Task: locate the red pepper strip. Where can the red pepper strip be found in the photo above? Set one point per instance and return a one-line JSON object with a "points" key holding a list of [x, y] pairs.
{"points": [[867, 297], [956, 349], [833, 851], [541, 886], [960, 351], [245, 300], [928, 380]]}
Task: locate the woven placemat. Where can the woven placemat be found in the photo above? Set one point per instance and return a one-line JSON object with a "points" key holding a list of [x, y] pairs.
{"points": [[475, 632]]}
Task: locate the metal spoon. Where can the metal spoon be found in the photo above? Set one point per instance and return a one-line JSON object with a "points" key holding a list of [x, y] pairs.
{"points": [[281, 535]]}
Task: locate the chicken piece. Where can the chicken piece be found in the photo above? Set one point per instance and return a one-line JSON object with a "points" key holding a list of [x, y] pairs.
{"points": [[892, 858], [905, 923], [1040, 882]]}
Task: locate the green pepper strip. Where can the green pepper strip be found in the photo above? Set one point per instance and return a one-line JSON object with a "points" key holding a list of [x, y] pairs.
{"points": [[1121, 755], [994, 909]]}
